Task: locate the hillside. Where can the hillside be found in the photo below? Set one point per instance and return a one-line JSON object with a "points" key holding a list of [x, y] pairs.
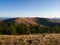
{"points": [[37, 39], [32, 21], [20, 26], [48, 21]]}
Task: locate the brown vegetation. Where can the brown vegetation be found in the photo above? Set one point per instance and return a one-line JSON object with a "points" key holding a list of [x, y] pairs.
{"points": [[37, 39], [27, 21]]}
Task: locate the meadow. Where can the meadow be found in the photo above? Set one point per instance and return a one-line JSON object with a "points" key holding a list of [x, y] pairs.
{"points": [[33, 39]]}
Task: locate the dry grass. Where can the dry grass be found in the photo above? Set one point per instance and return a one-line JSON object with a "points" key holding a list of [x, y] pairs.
{"points": [[28, 21], [37, 39]]}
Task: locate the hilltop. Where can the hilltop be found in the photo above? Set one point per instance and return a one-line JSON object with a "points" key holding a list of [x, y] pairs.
{"points": [[29, 25], [32, 21]]}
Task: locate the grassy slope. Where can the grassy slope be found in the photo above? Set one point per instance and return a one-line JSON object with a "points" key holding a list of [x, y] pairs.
{"points": [[37, 39]]}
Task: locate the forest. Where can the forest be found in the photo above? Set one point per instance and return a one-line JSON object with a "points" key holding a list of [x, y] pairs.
{"points": [[23, 29]]}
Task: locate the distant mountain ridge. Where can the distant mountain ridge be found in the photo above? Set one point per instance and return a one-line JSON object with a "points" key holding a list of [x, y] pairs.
{"points": [[4, 18], [32, 21], [56, 18]]}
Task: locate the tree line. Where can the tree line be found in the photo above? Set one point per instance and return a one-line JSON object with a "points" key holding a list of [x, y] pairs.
{"points": [[23, 29]]}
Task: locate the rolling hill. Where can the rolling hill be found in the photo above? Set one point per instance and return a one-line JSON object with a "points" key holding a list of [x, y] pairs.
{"points": [[29, 25], [31, 21]]}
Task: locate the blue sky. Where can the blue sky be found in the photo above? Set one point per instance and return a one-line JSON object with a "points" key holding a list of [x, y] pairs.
{"points": [[30, 8]]}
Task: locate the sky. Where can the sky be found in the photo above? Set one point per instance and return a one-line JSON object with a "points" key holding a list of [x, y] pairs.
{"points": [[30, 8]]}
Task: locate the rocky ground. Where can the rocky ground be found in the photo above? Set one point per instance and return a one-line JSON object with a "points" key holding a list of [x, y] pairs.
{"points": [[36, 39]]}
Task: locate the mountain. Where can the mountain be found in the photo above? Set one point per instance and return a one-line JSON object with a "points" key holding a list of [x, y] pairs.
{"points": [[32, 21], [27, 21], [4, 18], [56, 18], [29, 25], [48, 21]]}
